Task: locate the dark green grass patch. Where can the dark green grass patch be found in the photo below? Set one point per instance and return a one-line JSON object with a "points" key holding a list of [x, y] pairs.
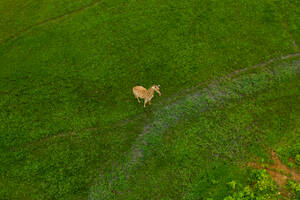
{"points": [[17, 16], [64, 166], [290, 11]]}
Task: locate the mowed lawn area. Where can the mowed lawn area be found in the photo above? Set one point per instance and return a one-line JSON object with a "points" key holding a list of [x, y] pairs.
{"points": [[69, 120]]}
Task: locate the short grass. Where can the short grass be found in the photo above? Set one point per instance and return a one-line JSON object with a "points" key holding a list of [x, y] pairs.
{"points": [[199, 145], [17, 16], [66, 83]]}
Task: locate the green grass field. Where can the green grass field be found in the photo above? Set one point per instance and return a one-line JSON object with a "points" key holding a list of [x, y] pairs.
{"points": [[70, 127]]}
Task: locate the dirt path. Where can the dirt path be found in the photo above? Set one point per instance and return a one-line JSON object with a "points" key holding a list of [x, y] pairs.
{"points": [[138, 153], [231, 75], [168, 108], [172, 100], [279, 172]]}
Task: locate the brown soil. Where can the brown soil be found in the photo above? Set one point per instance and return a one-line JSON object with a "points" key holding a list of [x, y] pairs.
{"points": [[279, 172]]}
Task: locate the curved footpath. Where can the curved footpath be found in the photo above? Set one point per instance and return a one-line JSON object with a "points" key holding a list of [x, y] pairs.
{"points": [[204, 97]]}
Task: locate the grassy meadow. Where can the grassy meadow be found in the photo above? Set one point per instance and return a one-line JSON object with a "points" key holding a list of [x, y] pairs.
{"points": [[70, 127]]}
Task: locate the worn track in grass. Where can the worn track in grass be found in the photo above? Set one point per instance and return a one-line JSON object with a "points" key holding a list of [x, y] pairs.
{"points": [[196, 93], [279, 172], [172, 99], [136, 153], [49, 20]]}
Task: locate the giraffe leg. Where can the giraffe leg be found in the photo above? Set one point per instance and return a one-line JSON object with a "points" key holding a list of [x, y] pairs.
{"points": [[137, 98]]}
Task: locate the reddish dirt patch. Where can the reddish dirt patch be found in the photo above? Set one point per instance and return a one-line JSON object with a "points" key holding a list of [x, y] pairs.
{"points": [[279, 172], [280, 166]]}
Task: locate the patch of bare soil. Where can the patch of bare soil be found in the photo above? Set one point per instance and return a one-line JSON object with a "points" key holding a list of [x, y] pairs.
{"points": [[279, 172]]}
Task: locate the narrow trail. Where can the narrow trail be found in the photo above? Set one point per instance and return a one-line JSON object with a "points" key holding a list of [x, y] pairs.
{"points": [[232, 74], [279, 172], [170, 114], [49, 20], [138, 153], [172, 100]]}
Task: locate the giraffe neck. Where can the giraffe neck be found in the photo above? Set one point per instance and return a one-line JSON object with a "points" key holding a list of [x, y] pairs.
{"points": [[151, 91]]}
